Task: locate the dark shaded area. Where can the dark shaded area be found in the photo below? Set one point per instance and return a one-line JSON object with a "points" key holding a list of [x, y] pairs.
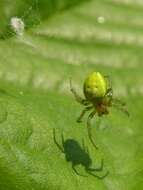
{"points": [[78, 155]]}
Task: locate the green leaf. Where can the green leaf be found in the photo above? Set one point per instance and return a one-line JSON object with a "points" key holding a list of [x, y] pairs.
{"points": [[72, 40]]}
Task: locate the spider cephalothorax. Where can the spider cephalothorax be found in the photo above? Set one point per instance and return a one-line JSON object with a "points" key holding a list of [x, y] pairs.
{"points": [[98, 98]]}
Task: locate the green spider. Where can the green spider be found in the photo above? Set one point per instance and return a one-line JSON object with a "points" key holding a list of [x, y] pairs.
{"points": [[98, 98]]}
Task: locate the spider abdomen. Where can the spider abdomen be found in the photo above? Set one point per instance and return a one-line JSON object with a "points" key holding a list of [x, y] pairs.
{"points": [[95, 86]]}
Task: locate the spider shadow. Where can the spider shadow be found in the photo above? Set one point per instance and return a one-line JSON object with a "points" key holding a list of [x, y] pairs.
{"points": [[79, 155]]}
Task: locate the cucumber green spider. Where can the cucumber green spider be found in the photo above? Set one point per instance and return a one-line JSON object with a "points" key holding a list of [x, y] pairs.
{"points": [[98, 98]]}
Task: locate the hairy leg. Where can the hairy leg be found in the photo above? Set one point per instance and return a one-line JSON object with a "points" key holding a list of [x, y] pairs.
{"points": [[112, 100], [109, 95], [109, 92], [117, 101], [91, 115], [108, 80], [79, 119], [77, 97], [121, 108]]}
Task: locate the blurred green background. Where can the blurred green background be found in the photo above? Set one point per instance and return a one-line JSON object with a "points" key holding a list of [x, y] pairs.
{"points": [[64, 39]]}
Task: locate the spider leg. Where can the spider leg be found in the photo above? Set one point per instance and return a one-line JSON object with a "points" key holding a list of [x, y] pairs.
{"points": [[91, 115], [59, 146], [108, 81], [117, 101], [109, 92], [77, 97], [121, 109], [83, 112]]}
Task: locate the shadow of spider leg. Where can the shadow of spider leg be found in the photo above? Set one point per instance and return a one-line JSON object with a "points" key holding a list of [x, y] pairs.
{"points": [[58, 145], [91, 170], [91, 115], [74, 169], [85, 148]]}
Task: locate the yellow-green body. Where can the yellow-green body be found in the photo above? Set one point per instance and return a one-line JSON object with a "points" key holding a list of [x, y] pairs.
{"points": [[95, 86]]}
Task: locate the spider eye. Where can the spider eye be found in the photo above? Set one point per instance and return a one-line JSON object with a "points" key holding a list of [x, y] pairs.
{"points": [[110, 94], [95, 86]]}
